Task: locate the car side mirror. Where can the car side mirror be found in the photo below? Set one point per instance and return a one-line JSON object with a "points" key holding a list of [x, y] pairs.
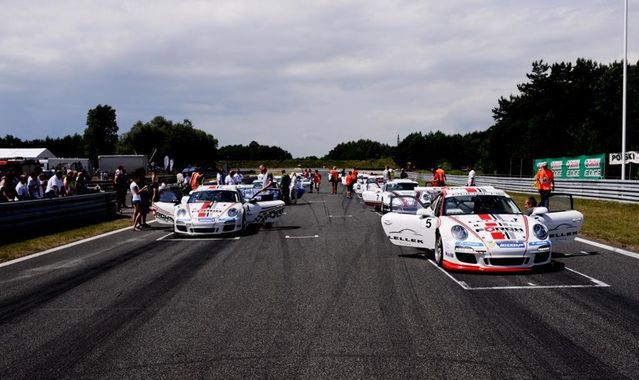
{"points": [[425, 212], [539, 211]]}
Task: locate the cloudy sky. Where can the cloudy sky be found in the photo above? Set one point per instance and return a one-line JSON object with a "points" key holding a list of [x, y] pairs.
{"points": [[304, 75]]}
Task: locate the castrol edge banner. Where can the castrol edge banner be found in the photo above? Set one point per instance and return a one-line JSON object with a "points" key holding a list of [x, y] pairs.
{"points": [[581, 167]]}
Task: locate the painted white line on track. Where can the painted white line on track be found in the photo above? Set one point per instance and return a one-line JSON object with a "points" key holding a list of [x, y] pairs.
{"points": [[301, 237], [340, 216], [165, 236], [609, 248], [460, 283], [63, 247], [465, 286]]}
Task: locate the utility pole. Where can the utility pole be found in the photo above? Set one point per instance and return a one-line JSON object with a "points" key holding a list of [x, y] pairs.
{"points": [[623, 104]]}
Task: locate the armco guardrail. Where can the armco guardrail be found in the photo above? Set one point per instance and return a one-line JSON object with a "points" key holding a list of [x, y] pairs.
{"points": [[605, 189], [45, 214]]}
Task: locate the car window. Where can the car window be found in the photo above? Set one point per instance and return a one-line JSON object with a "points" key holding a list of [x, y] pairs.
{"points": [[479, 204], [168, 196], [213, 196]]}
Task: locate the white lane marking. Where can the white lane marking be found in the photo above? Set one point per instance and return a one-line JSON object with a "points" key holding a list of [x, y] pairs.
{"points": [[584, 253], [531, 283], [465, 286], [460, 283], [340, 216], [609, 248], [165, 236], [379, 213], [190, 239], [301, 237], [600, 283], [15, 261]]}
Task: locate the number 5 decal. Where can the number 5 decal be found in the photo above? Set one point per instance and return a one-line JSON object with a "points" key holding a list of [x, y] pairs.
{"points": [[429, 223]]}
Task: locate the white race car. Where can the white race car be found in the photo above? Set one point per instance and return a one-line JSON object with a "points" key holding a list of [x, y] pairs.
{"points": [[380, 196], [216, 209], [482, 229]]}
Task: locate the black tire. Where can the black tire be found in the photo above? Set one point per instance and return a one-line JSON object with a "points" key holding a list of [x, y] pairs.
{"points": [[439, 251]]}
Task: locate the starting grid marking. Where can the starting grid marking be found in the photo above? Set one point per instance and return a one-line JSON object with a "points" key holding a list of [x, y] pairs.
{"points": [[301, 237], [594, 282], [340, 216]]}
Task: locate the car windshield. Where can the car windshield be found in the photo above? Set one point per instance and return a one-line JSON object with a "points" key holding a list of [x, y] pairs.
{"points": [[400, 186], [213, 196], [168, 196], [479, 204], [405, 204]]}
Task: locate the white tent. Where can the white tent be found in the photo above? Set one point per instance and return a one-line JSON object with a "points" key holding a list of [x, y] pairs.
{"points": [[32, 153]]}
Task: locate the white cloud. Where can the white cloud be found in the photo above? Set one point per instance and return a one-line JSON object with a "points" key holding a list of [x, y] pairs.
{"points": [[302, 75]]}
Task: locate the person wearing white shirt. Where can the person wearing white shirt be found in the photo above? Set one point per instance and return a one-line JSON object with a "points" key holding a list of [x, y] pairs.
{"points": [[229, 180], [471, 177], [22, 191], [54, 185]]}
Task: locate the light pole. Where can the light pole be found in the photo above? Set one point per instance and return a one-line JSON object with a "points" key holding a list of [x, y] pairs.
{"points": [[623, 103]]}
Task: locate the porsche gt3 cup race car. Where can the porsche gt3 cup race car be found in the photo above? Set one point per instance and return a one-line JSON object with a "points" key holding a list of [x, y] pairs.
{"points": [[380, 196], [481, 229], [216, 209]]}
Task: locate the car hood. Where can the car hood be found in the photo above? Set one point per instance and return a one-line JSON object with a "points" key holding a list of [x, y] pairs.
{"points": [[494, 227], [207, 210]]}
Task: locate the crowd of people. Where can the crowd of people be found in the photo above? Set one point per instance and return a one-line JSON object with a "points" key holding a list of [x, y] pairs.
{"points": [[37, 185]]}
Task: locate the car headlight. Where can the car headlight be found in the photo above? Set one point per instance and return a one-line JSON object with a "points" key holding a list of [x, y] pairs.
{"points": [[232, 213], [540, 231], [459, 232], [181, 214]]}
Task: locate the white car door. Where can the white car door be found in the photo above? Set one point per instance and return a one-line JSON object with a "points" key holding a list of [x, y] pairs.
{"points": [[409, 230], [562, 221]]}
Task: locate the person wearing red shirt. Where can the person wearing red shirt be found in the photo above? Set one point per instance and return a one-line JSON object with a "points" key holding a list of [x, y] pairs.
{"points": [[545, 183]]}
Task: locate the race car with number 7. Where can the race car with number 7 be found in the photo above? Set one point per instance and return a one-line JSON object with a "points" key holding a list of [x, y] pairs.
{"points": [[482, 229]]}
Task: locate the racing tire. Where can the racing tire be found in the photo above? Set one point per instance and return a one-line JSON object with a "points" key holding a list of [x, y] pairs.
{"points": [[244, 225], [439, 251]]}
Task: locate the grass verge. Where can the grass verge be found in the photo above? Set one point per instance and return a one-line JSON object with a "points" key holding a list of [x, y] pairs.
{"points": [[612, 222], [26, 247]]}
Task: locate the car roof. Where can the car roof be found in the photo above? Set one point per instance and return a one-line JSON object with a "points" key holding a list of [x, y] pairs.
{"points": [[216, 187], [479, 190], [404, 180]]}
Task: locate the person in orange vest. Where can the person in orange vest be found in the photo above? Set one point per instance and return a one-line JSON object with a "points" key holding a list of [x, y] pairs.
{"points": [[349, 185], [317, 179], [545, 183], [333, 178], [439, 177], [196, 179]]}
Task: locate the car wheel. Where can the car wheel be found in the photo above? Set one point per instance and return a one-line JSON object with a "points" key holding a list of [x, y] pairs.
{"points": [[439, 251], [243, 230]]}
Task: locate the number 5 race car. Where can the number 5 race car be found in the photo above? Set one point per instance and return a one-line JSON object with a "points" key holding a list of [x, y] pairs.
{"points": [[215, 209], [481, 229]]}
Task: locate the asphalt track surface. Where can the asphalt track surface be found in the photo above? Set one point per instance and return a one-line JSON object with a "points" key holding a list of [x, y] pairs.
{"points": [[323, 294]]}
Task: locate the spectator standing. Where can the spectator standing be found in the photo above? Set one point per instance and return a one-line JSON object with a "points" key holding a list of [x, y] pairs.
{"points": [[285, 184], [439, 177], [136, 201], [81, 185], [403, 174], [333, 179], [266, 177], [54, 186], [120, 186], [155, 187], [69, 183], [196, 179], [545, 183], [7, 189], [387, 174], [145, 201], [22, 190], [317, 179], [229, 180], [34, 184], [471, 177], [238, 178]]}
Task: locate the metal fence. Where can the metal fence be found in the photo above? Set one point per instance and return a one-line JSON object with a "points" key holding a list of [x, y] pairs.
{"points": [[51, 214], [605, 189]]}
